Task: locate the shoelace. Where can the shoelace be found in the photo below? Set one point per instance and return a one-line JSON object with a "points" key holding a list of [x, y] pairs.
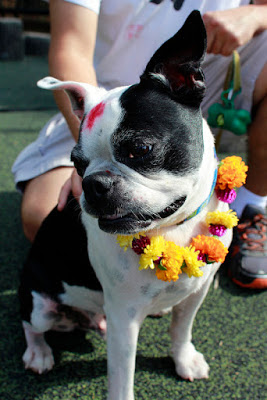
{"points": [[253, 233]]}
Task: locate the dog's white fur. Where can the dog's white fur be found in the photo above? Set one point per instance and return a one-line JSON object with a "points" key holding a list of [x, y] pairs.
{"points": [[129, 294]]}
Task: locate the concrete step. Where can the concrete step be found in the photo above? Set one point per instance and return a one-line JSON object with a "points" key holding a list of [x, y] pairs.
{"points": [[11, 39], [36, 43], [15, 43]]}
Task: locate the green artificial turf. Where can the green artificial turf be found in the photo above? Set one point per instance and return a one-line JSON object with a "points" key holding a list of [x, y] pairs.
{"points": [[230, 328]]}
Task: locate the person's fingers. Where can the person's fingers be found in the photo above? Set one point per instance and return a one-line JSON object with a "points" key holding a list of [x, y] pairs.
{"points": [[228, 29], [227, 49], [63, 195], [211, 32], [215, 40], [76, 185], [210, 43]]}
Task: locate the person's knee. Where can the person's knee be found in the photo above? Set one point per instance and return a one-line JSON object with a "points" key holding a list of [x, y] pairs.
{"points": [[40, 197], [32, 216], [36, 205]]}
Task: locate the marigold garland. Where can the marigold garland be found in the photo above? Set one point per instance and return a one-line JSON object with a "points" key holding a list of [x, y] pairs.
{"points": [[126, 241], [192, 262], [170, 265], [227, 218], [231, 173], [211, 247], [170, 260], [153, 252], [227, 195]]}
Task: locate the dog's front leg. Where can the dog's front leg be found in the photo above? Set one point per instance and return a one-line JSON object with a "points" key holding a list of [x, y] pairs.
{"points": [[190, 364], [123, 326]]}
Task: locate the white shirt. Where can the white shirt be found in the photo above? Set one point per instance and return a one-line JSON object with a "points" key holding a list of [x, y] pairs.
{"points": [[130, 31]]}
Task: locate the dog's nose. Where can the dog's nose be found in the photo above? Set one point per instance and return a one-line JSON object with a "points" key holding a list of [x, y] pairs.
{"points": [[97, 185]]}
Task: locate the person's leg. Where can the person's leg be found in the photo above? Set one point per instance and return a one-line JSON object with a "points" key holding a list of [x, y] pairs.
{"points": [[257, 139], [248, 258], [40, 197], [40, 170], [255, 190]]}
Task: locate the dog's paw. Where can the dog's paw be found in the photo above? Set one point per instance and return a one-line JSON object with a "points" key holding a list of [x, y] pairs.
{"points": [[190, 364], [39, 359]]}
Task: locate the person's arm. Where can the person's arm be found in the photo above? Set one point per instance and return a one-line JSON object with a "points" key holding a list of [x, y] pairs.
{"points": [[229, 29], [73, 35]]}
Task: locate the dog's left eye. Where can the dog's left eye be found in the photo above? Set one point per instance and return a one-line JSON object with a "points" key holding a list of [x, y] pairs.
{"points": [[139, 150]]}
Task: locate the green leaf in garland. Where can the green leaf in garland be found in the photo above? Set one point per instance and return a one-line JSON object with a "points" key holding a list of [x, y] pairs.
{"points": [[161, 266], [210, 261]]}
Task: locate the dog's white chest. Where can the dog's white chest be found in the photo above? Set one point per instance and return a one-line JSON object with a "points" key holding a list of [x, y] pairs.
{"points": [[122, 281]]}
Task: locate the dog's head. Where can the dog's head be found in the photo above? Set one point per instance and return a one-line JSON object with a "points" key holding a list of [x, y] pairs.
{"points": [[141, 148]]}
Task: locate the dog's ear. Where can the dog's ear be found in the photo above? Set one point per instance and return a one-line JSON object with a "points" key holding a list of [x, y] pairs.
{"points": [[82, 95], [177, 63]]}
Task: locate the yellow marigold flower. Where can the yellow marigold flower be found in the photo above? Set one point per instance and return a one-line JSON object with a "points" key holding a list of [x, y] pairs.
{"points": [[227, 218], [172, 256], [231, 173], [146, 261], [192, 264], [125, 241], [171, 263], [152, 252], [211, 246]]}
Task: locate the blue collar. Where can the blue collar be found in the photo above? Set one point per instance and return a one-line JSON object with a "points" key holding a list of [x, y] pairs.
{"points": [[205, 202]]}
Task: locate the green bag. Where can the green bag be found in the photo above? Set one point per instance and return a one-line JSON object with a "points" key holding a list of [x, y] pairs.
{"points": [[224, 115]]}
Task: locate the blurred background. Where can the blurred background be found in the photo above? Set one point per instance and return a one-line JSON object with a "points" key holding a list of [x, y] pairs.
{"points": [[24, 44]]}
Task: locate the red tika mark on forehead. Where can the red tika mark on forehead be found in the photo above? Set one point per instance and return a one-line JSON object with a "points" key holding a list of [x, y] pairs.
{"points": [[95, 113]]}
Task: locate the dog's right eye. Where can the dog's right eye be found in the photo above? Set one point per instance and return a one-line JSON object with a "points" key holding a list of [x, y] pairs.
{"points": [[139, 150], [135, 153]]}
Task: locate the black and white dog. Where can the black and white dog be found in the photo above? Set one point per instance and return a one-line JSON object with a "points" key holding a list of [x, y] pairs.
{"points": [[147, 161]]}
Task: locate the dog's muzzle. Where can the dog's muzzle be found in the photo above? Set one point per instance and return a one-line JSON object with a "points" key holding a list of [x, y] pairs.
{"points": [[101, 192], [105, 199]]}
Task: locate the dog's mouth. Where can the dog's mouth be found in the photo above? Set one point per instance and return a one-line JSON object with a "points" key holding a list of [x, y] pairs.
{"points": [[120, 222]]}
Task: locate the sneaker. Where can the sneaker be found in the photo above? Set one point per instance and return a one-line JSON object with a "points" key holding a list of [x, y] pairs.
{"points": [[248, 253]]}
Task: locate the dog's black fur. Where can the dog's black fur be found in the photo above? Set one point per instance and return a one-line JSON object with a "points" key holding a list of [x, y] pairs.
{"points": [[59, 253]]}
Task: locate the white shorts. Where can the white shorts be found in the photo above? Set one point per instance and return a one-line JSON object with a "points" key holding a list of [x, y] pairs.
{"points": [[53, 146]]}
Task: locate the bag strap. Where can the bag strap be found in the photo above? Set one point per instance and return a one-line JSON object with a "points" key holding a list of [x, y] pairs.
{"points": [[232, 85], [233, 76]]}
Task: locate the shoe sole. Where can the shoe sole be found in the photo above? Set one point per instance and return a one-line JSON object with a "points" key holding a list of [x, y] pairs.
{"points": [[255, 283]]}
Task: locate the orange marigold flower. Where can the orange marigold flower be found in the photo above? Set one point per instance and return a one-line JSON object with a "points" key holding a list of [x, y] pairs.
{"points": [[210, 246], [231, 173]]}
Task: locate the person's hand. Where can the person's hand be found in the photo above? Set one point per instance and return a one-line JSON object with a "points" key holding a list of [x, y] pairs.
{"points": [[229, 29], [74, 185]]}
